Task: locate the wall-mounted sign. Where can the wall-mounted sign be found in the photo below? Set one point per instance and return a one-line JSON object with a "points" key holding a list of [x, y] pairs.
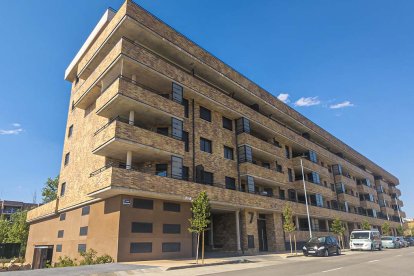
{"points": [[126, 201]]}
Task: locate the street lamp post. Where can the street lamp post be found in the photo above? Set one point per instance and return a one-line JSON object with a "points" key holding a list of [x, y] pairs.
{"points": [[306, 198]]}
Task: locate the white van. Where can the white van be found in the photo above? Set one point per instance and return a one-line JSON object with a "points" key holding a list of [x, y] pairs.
{"points": [[365, 240]]}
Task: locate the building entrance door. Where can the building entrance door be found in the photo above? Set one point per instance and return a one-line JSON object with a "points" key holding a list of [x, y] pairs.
{"points": [[42, 256], [261, 227]]}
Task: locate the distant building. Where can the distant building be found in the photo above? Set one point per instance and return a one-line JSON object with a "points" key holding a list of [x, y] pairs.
{"points": [[8, 207]]}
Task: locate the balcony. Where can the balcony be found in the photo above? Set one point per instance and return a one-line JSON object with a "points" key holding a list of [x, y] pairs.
{"points": [[124, 95], [352, 200], [369, 205], [366, 190], [383, 184], [394, 190], [117, 137], [387, 210], [310, 166], [260, 145], [263, 174], [348, 182], [384, 196], [312, 188]]}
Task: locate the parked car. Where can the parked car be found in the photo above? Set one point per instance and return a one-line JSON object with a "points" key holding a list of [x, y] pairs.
{"points": [[390, 242], [410, 240], [322, 246], [403, 242], [365, 240]]}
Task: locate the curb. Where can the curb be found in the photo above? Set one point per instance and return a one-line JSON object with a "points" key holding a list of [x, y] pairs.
{"points": [[241, 261]]}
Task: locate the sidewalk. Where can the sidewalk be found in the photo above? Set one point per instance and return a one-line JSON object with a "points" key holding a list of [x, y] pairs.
{"points": [[166, 265]]}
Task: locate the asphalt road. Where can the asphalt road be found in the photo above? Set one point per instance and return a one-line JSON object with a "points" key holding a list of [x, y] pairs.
{"points": [[388, 262]]}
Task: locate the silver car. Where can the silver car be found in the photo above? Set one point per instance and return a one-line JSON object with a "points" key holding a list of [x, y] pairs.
{"points": [[390, 242], [403, 243]]}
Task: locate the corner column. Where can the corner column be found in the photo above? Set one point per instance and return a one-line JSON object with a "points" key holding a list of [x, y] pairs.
{"points": [[238, 230], [129, 160]]}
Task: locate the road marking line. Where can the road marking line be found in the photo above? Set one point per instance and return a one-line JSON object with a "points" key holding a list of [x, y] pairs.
{"points": [[398, 256], [373, 261], [338, 268]]}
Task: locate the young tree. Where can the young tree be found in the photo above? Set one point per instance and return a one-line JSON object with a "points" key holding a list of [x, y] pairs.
{"points": [[386, 229], [339, 230], [288, 224], [18, 230], [49, 191], [365, 225], [400, 230], [4, 229], [200, 219]]}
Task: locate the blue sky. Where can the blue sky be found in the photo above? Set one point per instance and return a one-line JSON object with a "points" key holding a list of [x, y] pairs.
{"points": [[355, 53]]}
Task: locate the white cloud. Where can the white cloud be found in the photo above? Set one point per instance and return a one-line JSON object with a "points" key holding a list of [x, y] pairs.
{"points": [[309, 101], [10, 131], [283, 97], [16, 125], [341, 105]]}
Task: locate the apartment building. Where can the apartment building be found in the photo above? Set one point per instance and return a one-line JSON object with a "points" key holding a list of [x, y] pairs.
{"points": [[154, 119], [9, 207]]}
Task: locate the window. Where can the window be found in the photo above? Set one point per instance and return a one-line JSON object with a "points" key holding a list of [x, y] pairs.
{"points": [[268, 192], [208, 178], [250, 241], [303, 224], [58, 248], [337, 169], [242, 125], [340, 188], [227, 123], [140, 247], [162, 130], [171, 247], [282, 194], [73, 105], [177, 93], [205, 114], [314, 178], [176, 167], [67, 157], [290, 175], [172, 207], [161, 170], [266, 165], [245, 154], [177, 128], [62, 216], [250, 184], [319, 200], [85, 210], [143, 203], [186, 109], [185, 173], [313, 157], [228, 153], [83, 231], [205, 145], [62, 189], [171, 228], [141, 227], [230, 183], [81, 247], [60, 233], [186, 141], [70, 131], [287, 152], [279, 167]]}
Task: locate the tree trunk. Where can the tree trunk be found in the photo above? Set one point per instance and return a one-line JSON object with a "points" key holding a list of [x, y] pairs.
{"points": [[202, 249], [290, 241], [294, 238], [198, 246]]}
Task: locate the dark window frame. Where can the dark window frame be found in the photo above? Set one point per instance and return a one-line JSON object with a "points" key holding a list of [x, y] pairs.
{"points": [[83, 231], [142, 227], [141, 203], [172, 207], [230, 183], [86, 210], [205, 114], [70, 131], [82, 247], [206, 145], [171, 228], [62, 189], [228, 153], [134, 247], [227, 123]]}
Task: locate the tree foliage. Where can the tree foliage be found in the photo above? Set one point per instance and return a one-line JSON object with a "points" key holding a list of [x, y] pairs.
{"points": [[288, 225], [200, 217], [49, 191], [338, 229], [15, 230], [365, 225], [386, 229], [400, 230]]}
